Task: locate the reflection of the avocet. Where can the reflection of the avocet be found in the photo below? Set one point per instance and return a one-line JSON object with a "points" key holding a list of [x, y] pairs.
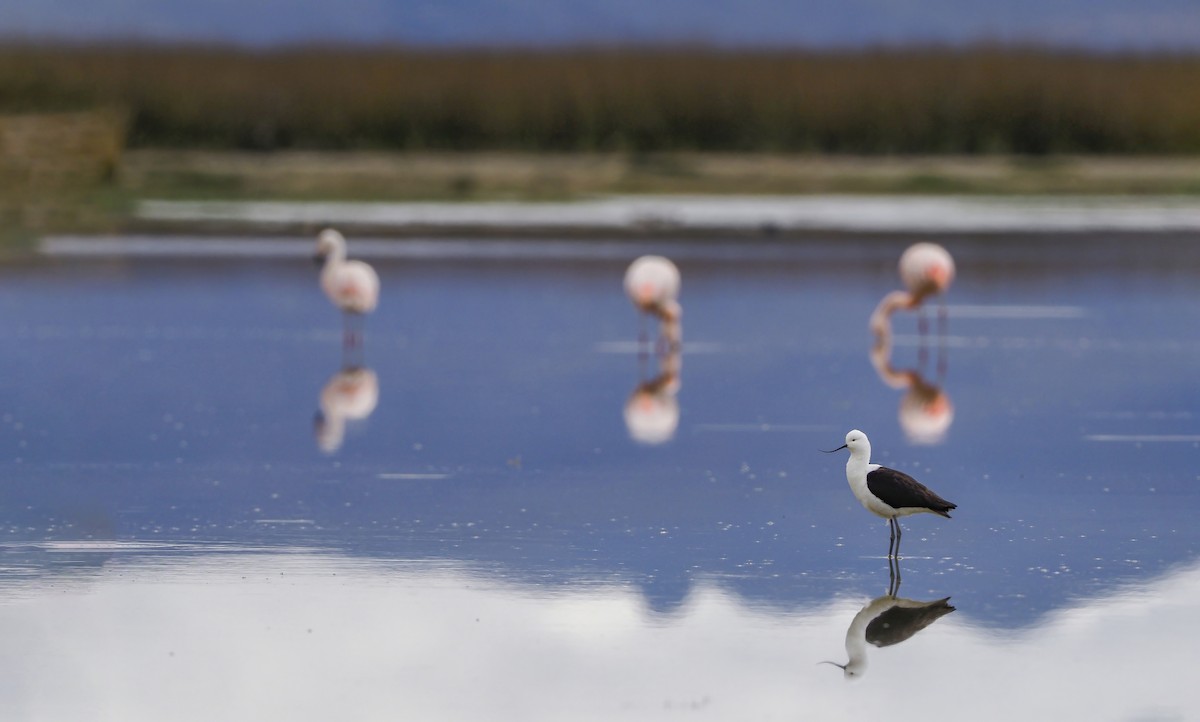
{"points": [[887, 620], [652, 411], [349, 396], [925, 409]]}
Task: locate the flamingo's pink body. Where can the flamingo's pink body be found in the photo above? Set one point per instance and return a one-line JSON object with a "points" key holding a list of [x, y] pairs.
{"points": [[652, 283], [927, 270], [352, 286]]}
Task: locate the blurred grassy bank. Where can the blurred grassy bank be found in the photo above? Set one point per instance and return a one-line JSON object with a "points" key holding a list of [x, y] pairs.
{"points": [[86, 132], [635, 100], [60, 171]]}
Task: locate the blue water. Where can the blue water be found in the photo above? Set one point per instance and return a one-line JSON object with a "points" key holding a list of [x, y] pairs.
{"points": [[157, 428]]}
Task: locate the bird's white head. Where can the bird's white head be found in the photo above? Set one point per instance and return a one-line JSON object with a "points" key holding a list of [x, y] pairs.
{"points": [[858, 444], [330, 243]]}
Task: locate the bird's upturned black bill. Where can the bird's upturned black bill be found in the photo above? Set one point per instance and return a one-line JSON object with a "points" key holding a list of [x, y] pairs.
{"points": [[319, 260], [833, 450]]}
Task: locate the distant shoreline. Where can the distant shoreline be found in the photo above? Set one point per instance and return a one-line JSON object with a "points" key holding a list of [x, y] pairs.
{"points": [[514, 176], [696, 216], [593, 195], [695, 194]]}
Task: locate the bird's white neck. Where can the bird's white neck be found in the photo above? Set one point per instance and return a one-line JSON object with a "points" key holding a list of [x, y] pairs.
{"points": [[856, 635], [857, 467], [860, 456], [334, 260], [336, 255], [881, 318]]}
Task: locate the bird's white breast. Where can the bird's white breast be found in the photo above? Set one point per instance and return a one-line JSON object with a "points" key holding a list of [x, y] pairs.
{"points": [[856, 474]]}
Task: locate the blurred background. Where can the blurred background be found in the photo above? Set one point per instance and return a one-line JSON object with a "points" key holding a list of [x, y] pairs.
{"points": [[105, 104], [218, 501]]}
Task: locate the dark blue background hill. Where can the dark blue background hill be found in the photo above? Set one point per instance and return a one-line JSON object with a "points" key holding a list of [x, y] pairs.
{"points": [[1092, 24]]}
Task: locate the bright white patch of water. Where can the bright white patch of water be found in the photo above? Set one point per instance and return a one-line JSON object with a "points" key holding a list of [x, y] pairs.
{"points": [[1017, 312], [1145, 438], [315, 637], [764, 427], [834, 213]]}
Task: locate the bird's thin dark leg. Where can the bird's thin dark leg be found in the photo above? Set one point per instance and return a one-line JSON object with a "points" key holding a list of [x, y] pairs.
{"points": [[922, 333], [643, 356], [361, 337], [893, 576], [643, 341], [943, 329], [352, 340], [899, 533], [891, 536], [347, 341]]}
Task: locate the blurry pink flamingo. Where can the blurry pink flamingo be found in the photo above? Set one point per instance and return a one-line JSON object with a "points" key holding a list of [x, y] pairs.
{"points": [[652, 283], [927, 270], [352, 286]]}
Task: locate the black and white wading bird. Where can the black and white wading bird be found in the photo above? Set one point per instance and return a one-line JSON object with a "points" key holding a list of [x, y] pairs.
{"points": [[886, 492], [885, 621]]}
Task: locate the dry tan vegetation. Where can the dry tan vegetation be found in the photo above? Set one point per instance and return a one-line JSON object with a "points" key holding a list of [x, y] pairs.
{"points": [[53, 164], [917, 101]]}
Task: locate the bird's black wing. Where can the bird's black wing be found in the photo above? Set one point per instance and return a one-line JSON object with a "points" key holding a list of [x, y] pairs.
{"points": [[899, 490], [899, 623]]}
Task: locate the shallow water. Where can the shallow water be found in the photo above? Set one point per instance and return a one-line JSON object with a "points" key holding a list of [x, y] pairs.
{"points": [[491, 541]]}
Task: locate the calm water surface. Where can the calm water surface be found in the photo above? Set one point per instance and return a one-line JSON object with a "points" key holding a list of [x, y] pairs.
{"points": [[510, 530]]}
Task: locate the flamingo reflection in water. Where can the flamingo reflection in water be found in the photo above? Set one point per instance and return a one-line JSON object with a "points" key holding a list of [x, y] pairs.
{"points": [[652, 411], [926, 411], [886, 621], [350, 285], [348, 398]]}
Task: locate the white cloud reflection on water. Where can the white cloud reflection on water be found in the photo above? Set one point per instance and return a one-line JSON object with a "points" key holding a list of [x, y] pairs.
{"points": [[318, 637]]}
